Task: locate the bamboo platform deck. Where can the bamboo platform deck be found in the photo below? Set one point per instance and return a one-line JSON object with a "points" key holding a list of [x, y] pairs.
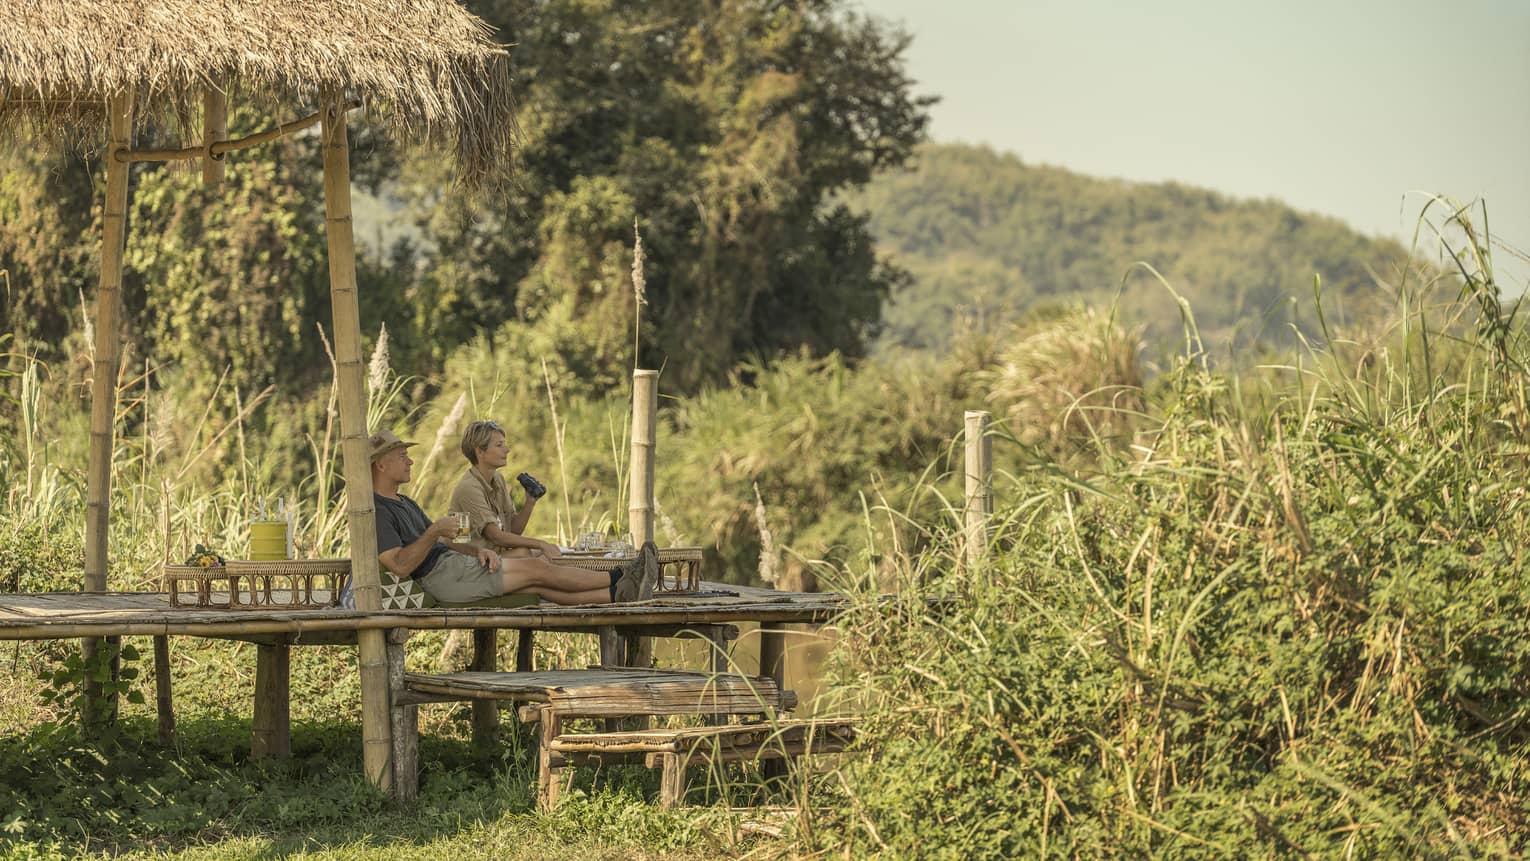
{"points": [[60, 615]]}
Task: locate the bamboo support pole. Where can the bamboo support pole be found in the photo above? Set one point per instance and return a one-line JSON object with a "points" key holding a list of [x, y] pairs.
{"points": [[979, 498], [375, 729], [103, 389], [163, 703], [645, 403], [214, 131], [645, 408]]}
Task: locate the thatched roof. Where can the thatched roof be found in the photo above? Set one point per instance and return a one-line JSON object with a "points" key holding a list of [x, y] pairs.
{"points": [[427, 68]]}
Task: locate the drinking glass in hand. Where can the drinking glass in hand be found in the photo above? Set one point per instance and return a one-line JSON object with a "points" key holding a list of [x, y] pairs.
{"points": [[464, 523]]}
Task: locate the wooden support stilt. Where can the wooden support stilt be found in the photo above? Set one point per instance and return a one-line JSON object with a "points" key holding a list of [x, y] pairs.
{"points": [[163, 704], [405, 724], [103, 385], [271, 727], [773, 664], [485, 712], [979, 497], [525, 658], [375, 705], [214, 129]]}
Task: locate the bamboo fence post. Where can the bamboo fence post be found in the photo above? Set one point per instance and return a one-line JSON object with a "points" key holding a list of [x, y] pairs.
{"points": [[979, 500], [645, 407], [485, 712], [103, 388], [214, 129], [372, 652]]}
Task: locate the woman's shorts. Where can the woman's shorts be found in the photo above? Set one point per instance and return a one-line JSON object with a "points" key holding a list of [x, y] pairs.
{"points": [[457, 578]]}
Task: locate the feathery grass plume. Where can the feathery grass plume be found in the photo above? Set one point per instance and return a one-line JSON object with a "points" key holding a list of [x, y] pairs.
{"points": [[639, 280], [87, 327], [1069, 380], [639, 291], [768, 569], [378, 367], [447, 430], [666, 524]]}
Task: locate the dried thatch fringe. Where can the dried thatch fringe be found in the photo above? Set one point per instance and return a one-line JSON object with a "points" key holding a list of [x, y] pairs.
{"points": [[426, 68]]}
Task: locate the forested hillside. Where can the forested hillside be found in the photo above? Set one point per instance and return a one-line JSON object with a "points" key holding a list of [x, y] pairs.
{"points": [[987, 237]]}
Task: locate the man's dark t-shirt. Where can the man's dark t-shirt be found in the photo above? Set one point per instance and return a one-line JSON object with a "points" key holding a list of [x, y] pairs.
{"points": [[400, 522]]}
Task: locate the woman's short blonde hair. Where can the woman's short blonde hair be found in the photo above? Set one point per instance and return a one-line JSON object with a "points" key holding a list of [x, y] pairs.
{"points": [[477, 436]]}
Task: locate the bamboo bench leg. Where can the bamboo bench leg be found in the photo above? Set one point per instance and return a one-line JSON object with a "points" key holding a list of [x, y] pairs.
{"points": [[671, 779], [549, 780], [163, 702], [485, 712]]}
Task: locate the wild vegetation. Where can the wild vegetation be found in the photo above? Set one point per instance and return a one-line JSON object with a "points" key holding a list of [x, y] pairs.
{"points": [[1250, 591]]}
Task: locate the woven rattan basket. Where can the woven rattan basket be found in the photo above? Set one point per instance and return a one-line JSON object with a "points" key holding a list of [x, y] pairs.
{"points": [[286, 583], [195, 586], [679, 567]]}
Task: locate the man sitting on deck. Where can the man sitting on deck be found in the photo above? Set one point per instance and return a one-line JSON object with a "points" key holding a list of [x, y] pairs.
{"points": [[411, 546]]}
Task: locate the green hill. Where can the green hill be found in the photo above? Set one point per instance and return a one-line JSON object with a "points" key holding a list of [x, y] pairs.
{"points": [[988, 237]]}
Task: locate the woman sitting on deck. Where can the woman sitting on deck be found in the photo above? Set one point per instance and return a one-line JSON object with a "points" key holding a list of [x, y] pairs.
{"points": [[494, 521], [411, 546]]}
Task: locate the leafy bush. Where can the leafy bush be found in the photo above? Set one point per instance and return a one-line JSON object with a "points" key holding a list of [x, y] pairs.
{"points": [[1296, 622]]}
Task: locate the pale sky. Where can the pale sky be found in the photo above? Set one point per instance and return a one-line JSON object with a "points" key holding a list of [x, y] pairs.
{"points": [[1341, 107]]}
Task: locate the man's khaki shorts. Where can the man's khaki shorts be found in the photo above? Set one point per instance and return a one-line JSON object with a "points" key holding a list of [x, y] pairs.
{"points": [[457, 578]]}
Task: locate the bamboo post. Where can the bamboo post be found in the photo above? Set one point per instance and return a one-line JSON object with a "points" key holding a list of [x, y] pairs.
{"points": [[645, 407], [271, 726], [645, 403], [214, 129], [485, 712], [103, 388], [979, 500], [372, 652], [164, 705]]}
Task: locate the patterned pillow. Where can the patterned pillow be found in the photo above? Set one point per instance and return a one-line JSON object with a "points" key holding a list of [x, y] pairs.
{"points": [[396, 594], [401, 594]]}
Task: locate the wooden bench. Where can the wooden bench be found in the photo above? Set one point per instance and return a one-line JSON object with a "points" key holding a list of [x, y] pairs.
{"points": [[672, 750], [557, 696]]}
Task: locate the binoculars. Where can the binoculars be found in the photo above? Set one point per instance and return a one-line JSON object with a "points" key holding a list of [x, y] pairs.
{"points": [[534, 488]]}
